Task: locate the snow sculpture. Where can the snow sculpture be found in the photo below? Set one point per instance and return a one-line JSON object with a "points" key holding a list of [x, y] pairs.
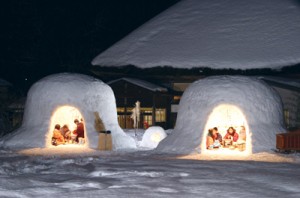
{"points": [[241, 100], [152, 136], [79, 96], [136, 112]]}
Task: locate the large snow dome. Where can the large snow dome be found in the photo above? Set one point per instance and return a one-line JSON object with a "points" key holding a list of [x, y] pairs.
{"points": [[224, 101], [61, 98]]}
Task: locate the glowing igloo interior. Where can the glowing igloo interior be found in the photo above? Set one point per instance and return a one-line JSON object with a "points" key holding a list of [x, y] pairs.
{"points": [[223, 117], [221, 101], [65, 115], [59, 99]]}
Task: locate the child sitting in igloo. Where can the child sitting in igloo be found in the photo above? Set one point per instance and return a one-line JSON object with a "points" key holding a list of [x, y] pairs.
{"points": [[214, 138], [242, 135], [57, 137], [241, 143], [65, 131], [74, 136]]}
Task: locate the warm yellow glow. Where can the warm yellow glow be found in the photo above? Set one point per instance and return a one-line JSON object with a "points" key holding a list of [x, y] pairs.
{"points": [[155, 137], [223, 117], [64, 115]]}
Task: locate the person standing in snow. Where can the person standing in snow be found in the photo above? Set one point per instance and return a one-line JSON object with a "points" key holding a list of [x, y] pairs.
{"points": [[57, 135], [79, 130], [232, 135]]}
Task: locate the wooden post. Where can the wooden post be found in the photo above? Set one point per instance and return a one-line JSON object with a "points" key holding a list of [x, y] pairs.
{"points": [[153, 111]]}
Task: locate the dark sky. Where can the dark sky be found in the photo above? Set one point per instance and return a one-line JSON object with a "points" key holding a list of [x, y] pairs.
{"points": [[40, 37]]}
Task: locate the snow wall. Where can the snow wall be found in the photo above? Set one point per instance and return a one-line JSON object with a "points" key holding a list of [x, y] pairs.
{"points": [[85, 93], [260, 104]]}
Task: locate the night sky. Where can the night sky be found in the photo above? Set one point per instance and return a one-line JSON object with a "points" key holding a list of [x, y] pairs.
{"points": [[39, 38]]}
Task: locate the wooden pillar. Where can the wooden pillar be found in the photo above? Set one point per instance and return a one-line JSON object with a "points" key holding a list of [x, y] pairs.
{"points": [[153, 111], [168, 111], [125, 105], [125, 112]]}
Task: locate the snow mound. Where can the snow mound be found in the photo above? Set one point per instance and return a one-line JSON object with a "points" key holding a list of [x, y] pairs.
{"points": [[152, 136], [259, 108], [83, 93], [212, 33]]}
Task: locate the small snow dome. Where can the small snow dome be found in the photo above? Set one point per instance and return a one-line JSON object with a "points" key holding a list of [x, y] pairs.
{"points": [[245, 112], [152, 136], [71, 100]]}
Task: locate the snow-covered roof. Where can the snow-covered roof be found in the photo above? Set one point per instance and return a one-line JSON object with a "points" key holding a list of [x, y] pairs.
{"points": [[216, 34], [19, 104], [4, 82], [281, 81], [141, 83]]}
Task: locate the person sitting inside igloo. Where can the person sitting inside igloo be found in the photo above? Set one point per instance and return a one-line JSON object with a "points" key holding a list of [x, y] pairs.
{"points": [[57, 137], [242, 134], [241, 143], [65, 131], [213, 139], [79, 131], [231, 137]]}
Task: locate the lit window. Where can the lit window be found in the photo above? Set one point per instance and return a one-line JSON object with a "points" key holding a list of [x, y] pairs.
{"points": [[160, 115], [120, 109], [287, 117], [148, 119]]}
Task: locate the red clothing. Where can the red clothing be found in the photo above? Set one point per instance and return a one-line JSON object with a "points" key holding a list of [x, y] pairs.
{"points": [[80, 131], [218, 136], [234, 135]]}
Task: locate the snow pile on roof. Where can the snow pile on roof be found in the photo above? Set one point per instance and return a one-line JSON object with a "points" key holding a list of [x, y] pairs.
{"points": [[152, 136], [280, 80], [4, 83], [212, 33], [141, 83], [85, 93], [259, 103]]}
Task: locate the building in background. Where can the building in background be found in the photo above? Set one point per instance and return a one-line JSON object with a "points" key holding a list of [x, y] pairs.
{"points": [[289, 91], [156, 102]]}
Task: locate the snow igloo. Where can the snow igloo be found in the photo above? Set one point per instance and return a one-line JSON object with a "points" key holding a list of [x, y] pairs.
{"points": [[152, 136], [223, 102], [60, 99]]}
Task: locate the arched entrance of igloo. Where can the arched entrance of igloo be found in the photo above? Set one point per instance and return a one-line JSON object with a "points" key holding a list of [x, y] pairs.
{"points": [[222, 117], [65, 115]]}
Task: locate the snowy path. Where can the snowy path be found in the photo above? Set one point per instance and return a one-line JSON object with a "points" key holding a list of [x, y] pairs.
{"points": [[143, 175]]}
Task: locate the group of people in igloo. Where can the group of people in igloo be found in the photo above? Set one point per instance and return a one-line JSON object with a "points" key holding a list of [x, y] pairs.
{"points": [[232, 138], [63, 135], [245, 104], [218, 101], [61, 99]]}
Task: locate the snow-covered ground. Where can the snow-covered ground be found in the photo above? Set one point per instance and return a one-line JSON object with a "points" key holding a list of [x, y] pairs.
{"points": [[141, 175], [82, 172]]}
